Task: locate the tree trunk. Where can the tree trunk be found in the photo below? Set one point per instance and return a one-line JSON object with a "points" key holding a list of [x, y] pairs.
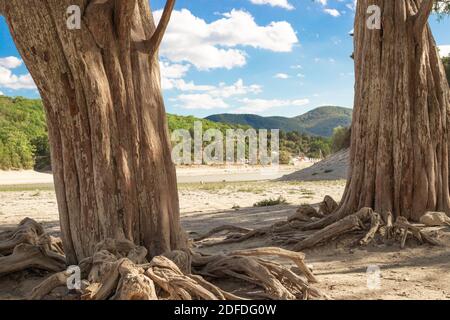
{"points": [[399, 160], [100, 85]]}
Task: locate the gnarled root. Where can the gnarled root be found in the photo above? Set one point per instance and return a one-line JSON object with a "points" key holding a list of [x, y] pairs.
{"points": [[305, 216], [118, 270], [28, 247], [334, 230], [309, 227], [59, 279], [228, 228], [28, 231], [273, 280], [27, 256], [402, 228], [327, 206]]}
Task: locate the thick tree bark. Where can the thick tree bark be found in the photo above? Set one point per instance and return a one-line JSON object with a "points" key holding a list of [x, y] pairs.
{"points": [[399, 159], [100, 85]]}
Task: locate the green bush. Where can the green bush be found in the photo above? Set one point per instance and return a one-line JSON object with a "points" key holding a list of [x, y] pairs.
{"points": [[23, 133], [446, 61], [271, 202], [285, 157], [340, 139]]}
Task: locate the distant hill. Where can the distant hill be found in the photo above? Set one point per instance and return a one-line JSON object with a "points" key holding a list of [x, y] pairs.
{"points": [[320, 121]]}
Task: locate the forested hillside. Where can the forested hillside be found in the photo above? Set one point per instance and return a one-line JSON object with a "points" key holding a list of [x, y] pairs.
{"points": [[24, 140]]}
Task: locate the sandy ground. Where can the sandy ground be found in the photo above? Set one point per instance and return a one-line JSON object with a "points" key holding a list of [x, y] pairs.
{"points": [[417, 272], [334, 167], [185, 174]]}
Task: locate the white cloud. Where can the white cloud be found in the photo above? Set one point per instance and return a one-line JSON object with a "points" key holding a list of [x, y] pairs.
{"points": [[296, 67], [1, 93], [173, 71], [236, 89], [352, 5], [261, 105], [214, 45], [281, 76], [10, 62], [275, 3], [444, 50], [332, 12], [211, 96], [200, 101], [182, 85], [322, 2], [10, 80]]}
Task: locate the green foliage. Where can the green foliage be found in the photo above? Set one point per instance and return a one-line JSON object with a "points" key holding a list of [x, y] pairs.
{"points": [[271, 202], [446, 62], [285, 157], [187, 123], [321, 121], [23, 133], [301, 144], [442, 8], [340, 139]]}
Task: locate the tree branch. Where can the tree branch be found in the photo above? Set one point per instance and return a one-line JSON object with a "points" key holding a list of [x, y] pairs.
{"points": [[158, 35], [421, 17]]}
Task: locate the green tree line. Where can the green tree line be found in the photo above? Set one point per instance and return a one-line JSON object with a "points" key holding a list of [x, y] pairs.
{"points": [[24, 138]]}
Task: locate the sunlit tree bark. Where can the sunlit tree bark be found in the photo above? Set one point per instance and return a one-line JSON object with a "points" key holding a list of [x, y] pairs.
{"points": [[100, 85]]}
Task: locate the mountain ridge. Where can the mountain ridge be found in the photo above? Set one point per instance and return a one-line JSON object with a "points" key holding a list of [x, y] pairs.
{"points": [[319, 122]]}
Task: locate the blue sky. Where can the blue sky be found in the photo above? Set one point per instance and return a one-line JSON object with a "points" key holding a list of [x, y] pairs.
{"points": [[269, 57]]}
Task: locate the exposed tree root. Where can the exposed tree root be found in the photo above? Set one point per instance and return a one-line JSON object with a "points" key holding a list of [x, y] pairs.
{"points": [[327, 206], [276, 281], [26, 256], [219, 229], [28, 231], [27, 247], [308, 228], [119, 270]]}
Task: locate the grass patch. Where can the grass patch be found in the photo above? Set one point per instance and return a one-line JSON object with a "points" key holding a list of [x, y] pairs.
{"points": [[307, 192], [28, 187], [270, 202]]}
